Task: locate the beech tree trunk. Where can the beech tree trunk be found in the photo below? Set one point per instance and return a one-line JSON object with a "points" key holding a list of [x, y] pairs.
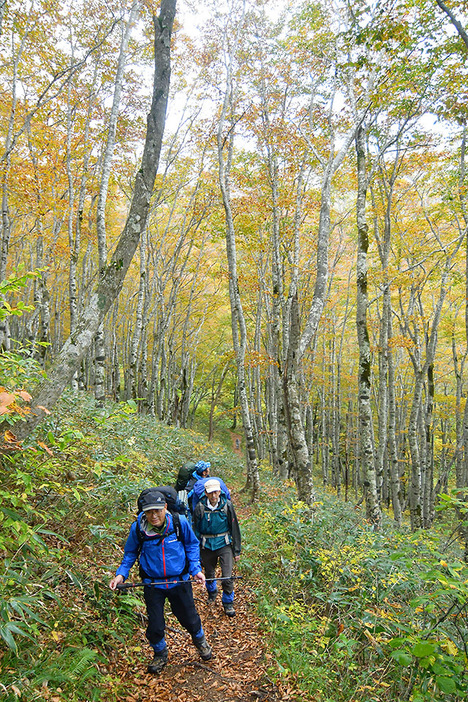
{"points": [[462, 477], [238, 326], [395, 482], [99, 342], [373, 509], [297, 438], [112, 277]]}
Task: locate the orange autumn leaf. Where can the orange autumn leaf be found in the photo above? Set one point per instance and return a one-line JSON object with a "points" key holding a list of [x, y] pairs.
{"points": [[44, 409]]}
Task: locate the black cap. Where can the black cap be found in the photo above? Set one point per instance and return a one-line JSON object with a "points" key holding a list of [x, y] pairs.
{"points": [[153, 499]]}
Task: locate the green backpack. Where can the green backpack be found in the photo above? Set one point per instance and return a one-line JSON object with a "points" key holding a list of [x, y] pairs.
{"points": [[184, 475]]}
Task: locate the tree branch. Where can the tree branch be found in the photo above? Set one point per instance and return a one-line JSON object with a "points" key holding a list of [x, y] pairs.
{"points": [[454, 21]]}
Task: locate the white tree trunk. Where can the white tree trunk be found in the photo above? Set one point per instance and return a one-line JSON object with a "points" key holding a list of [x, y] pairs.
{"points": [[239, 330], [373, 509]]}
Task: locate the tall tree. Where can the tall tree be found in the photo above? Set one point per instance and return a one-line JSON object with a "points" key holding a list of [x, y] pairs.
{"points": [[225, 142], [373, 509]]}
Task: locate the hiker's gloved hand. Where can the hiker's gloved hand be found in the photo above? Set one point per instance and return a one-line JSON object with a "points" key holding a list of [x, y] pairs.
{"points": [[116, 581], [200, 576]]}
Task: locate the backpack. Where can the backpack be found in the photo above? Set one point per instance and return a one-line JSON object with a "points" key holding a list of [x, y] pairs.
{"points": [[184, 474], [174, 504], [198, 490]]}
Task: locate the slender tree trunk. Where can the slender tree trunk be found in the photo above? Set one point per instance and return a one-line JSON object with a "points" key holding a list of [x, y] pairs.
{"points": [[373, 510], [395, 481], [99, 342], [418, 465], [6, 166], [428, 497], [335, 416], [463, 476], [215, 395], [238, 326], [73, 241], [135, 344]]}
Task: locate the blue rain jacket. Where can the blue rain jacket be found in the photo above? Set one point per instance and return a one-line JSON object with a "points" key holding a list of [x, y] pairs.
{"points": [[162, 557]]}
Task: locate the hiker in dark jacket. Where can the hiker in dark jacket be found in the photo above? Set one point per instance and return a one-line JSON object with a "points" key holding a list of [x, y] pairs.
{"points": [[215, 523], [168, 553]]}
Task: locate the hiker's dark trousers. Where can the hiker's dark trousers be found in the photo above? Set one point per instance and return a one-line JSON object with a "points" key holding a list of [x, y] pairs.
{"points": [[209, 560], [182, 605]]}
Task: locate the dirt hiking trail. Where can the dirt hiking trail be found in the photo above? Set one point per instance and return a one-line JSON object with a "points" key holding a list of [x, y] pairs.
{"points": [[236, 673]]}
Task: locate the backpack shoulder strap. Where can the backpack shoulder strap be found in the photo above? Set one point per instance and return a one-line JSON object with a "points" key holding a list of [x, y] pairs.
{"points": [[140, 537], [177, 526]]}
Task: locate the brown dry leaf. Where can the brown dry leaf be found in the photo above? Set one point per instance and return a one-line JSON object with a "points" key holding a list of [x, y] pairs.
{"points": [[10, 438], [6, 398], [25, 395]]}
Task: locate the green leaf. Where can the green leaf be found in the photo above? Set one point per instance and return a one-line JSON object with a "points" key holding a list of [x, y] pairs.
{"points": [[8, 638], [402, 657], [75, 581], [15, 629], [445, 684], [77, 494], [423, 649]]}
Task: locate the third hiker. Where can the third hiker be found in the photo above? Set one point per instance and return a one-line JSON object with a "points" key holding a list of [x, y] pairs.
{"points": [[215, 524]]}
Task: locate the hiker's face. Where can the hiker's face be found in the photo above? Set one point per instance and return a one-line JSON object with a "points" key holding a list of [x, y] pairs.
{"points": [[156, 517], [214, 496], [205, 473]]}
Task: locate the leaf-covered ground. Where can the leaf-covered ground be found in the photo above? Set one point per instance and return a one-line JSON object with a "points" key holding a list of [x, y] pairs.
{"points": [[236, 671]]}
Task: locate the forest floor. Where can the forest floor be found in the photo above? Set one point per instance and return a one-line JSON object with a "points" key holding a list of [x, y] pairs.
{"points": [[236, 673]]}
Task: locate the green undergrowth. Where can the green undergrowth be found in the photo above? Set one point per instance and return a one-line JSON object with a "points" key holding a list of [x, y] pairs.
{"points": [[349, 615], [357, 615], [65, 509]]}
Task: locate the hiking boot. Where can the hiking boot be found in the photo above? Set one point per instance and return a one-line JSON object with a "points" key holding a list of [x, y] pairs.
{"points": [[203, 648], [158, 662], [212, 596], [229, 609]]}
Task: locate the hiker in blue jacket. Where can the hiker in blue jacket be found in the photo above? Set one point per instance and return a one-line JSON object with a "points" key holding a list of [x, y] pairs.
{"points": [[215, 523], [201, 470], [168, 552]]}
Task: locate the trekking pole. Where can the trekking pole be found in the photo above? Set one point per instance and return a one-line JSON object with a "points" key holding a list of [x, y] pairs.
{"points": [[127, 586]]}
